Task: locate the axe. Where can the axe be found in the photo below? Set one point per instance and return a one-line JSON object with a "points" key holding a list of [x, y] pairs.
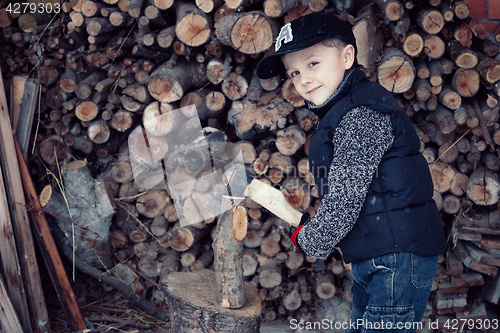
{"points": [[245, 184]]}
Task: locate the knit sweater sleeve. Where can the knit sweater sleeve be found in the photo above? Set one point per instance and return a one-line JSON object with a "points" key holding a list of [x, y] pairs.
{"points": [[360, 140]]}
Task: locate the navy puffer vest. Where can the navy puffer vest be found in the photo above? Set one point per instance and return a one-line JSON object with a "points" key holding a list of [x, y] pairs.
{"points": [[399, 214]]}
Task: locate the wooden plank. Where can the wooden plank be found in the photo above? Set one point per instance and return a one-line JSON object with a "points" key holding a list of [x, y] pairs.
{"points": [[486, 231], [28, 107], [490, 242], [20, 219], [16, 98], [8, 317], [478, 267], [473, 279], [10, 261], [481, 256], [469, 236], [49, 251]]}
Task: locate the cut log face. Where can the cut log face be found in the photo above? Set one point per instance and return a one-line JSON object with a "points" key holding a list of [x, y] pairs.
{"points": [[152, 203], [193, 25], [466, 82], [396, 71], [483, 187], [249, 33], [431, 21], [160, 118]]}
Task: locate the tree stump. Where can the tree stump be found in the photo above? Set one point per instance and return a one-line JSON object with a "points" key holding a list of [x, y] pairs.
{"points": [[192, 302]]}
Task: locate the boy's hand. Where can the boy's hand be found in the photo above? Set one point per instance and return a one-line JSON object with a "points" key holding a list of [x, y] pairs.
{"points": [[295, 231]]}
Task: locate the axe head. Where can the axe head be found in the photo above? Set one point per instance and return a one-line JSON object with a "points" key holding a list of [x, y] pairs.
{"points": [[236, 182]]}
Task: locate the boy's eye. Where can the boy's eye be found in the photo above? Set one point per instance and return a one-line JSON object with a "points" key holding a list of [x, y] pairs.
{"points": [[294, 73], [313, 64]]}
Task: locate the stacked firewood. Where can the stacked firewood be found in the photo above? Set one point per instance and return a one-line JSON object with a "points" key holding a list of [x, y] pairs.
{"points": [[108, 68]]}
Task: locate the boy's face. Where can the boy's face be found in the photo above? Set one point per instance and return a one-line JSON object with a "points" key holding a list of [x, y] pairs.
{"points": [[317, 71]]}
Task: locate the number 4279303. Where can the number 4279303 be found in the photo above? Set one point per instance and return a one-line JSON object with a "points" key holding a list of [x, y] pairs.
{"points": [[32, 8], [464, 323]]}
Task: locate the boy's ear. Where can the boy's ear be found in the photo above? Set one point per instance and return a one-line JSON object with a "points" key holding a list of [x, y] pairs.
{"points": [[349, 56]]}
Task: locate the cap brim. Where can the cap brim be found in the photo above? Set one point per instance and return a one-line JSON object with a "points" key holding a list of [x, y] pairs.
{"points": [[271, 65]]}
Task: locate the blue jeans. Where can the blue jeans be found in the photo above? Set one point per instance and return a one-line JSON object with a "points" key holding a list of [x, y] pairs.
{"points": [[390, 293]]}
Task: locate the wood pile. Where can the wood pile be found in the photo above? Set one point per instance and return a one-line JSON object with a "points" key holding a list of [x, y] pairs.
{"points": [[112, 72]]}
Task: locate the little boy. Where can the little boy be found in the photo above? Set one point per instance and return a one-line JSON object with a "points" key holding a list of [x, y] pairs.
{"points": [[375, 186]]}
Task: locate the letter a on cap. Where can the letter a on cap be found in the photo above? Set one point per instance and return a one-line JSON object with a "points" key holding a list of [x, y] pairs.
{"points": [[285, 35]]}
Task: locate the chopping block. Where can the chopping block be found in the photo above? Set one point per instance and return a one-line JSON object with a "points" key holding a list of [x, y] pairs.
{"points": [[193, 305]]}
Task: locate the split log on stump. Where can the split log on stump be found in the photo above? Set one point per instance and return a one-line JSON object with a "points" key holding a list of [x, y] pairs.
{"points": [[169, 84], [193, 25], [89, 217], [192, 299], [483, 187], [228, 255], [396, 71], [248, 32]]}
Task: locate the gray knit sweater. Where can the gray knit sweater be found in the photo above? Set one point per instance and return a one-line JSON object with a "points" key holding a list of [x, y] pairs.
{"points": [[360, 140]]}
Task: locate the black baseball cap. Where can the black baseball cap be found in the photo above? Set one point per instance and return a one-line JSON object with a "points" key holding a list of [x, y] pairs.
{"points": [[300, 34]]}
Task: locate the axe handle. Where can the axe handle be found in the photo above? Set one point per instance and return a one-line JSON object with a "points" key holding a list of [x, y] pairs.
{"points": [[274, 201]]}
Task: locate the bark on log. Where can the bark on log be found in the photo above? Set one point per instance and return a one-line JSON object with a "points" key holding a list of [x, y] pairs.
{"points": [[228, 255], [87, 222], [192, 299], [169, 84]]}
